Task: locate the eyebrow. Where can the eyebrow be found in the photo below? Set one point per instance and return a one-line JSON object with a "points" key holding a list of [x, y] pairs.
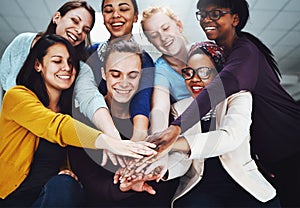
{"points": [[56, 56], [116, 70], [121, 4]]}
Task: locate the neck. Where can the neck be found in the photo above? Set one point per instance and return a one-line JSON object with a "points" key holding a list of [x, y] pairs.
{"points": [[177, 62], [124, 37], [53, 101], [227, 43], [118, 110]]}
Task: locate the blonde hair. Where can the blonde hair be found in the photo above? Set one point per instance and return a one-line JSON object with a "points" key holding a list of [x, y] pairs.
{"points": [[150, 11]]}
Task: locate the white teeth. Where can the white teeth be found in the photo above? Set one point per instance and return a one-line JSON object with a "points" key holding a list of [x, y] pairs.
{"points": [[117, 24], [210, 28], [122, 91], [72, 37], [196, 88], [63, 76]]}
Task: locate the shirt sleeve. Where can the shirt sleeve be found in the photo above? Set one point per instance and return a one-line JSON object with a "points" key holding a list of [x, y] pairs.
{"points": [[87, 96], [239, 73], [23, 107], [13, 59], [141, 102]]}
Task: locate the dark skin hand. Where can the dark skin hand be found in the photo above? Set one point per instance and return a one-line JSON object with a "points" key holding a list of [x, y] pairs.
{"points": [[164, 140]]}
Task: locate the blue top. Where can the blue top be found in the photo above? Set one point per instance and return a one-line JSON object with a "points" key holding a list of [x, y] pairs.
{"points": [[167, 77], [275, 128], [13, 58], [141, 102]]}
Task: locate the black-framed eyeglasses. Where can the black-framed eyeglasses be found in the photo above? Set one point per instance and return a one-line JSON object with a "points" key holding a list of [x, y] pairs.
{"points": [[213, 14], [203, 72]]}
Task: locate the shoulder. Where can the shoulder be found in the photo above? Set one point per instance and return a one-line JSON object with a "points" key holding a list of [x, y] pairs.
{"points": [[244, 44], [18, 90], [242, 99], [25, 37], [93, 47], [18, 94], [147, 60], [160, 62]]}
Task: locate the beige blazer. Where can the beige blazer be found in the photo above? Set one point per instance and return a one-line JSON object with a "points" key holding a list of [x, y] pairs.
{"points": [[230, 141]]}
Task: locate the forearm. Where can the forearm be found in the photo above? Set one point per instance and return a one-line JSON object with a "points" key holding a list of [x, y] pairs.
{"points": [[140, 128], [87, 96], [159, 115], [159, 120], [103, 121], [181, 145]]}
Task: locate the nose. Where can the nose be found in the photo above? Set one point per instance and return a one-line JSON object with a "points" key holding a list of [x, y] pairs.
{"points": [[78, 30], [206, 19], [66, 66], [116, 14], [123, 82], [162, 36], [196, 78]]}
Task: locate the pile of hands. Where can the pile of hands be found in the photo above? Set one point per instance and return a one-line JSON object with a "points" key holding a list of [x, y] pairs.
{"points": [[136, 172]]}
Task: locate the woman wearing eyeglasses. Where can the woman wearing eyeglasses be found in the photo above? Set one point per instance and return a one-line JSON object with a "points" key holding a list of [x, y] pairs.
{"points": [[250, 66], [220, 170], [164, 30]]}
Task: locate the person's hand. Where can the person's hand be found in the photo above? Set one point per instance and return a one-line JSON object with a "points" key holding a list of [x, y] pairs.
{"points": [[68, 172], [115, 159], [125, 147], [147, 167], [158, 168], [164, 140], [139, 184]]}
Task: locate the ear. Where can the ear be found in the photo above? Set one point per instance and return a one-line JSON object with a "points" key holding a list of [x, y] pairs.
{"points": [[136, 17], [37, 66], [236, 20], [55, 17], [180, 26], [103, 73]]}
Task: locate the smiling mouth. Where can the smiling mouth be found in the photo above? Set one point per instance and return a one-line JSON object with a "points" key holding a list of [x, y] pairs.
{"points": [[207, 29], [117, 24], [72, 37], [196, 88], [122, 91], [64, 77], [168, 43]]}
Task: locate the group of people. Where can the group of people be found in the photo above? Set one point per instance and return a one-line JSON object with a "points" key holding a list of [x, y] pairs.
{"points": [[206, 125]]}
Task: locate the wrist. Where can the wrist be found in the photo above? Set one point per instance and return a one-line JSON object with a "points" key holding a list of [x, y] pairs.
{"points": [[175, 128], [100, 142]]}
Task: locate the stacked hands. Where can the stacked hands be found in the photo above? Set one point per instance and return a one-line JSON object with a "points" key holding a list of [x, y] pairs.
{"points": [[137, 171]]}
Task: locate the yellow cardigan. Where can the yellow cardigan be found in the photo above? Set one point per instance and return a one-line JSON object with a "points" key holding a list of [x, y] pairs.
{"points": [[23, 121]]}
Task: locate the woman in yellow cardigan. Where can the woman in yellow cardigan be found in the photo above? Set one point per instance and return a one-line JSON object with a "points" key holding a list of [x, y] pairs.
{"points": [[36, 124]]}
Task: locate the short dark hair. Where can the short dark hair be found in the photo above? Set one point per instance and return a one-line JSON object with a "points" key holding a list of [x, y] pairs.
{"points": [[34, 81], [239, 7]]}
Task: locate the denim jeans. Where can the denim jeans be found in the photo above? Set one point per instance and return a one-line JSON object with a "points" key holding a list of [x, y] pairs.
{"points": [[61, 191]]}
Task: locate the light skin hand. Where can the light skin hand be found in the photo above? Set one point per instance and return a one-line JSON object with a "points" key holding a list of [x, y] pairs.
{"points": [[139, 185], [115, 159], [125, 147]]}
